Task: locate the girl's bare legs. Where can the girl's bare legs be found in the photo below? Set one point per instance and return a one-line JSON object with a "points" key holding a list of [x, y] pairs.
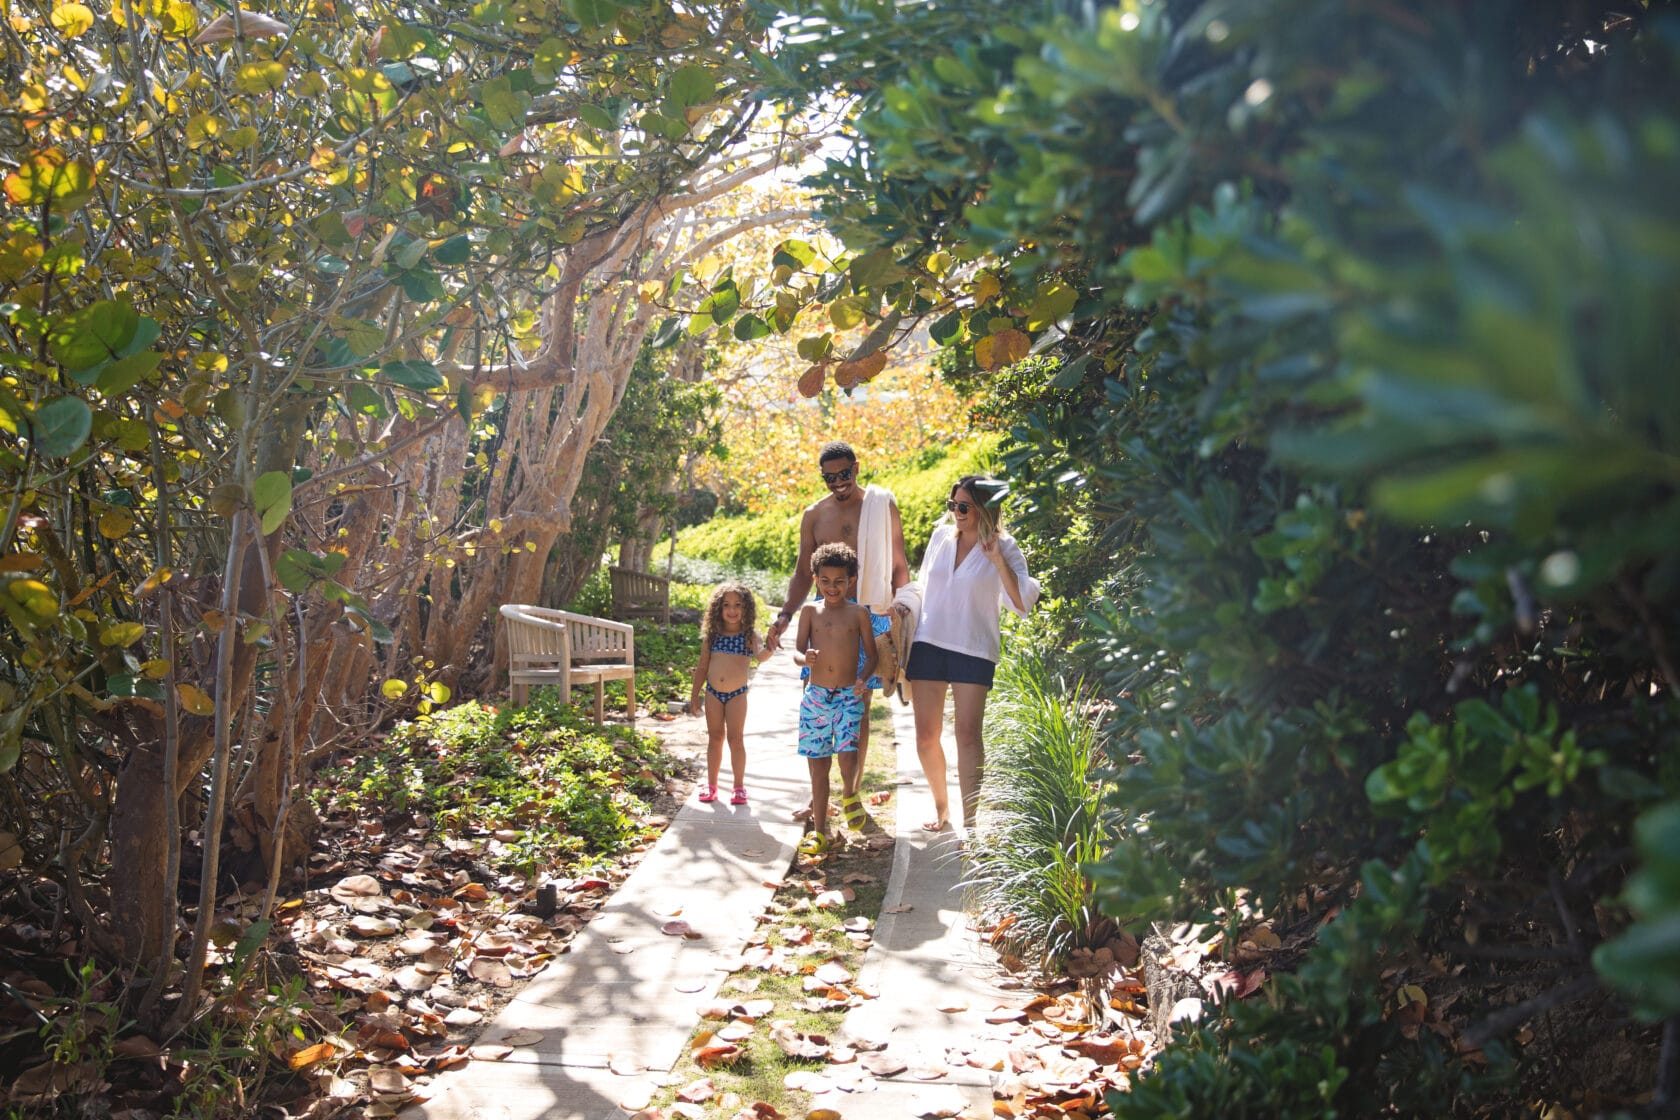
{"points": [[735, 722], [928, 701], [970, 704], [716, 722]]}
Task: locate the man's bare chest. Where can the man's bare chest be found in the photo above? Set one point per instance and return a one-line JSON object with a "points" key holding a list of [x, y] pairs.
{"points": [[836, 524]]}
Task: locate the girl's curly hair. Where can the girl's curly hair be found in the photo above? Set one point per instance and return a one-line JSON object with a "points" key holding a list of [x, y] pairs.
{"points": [[714, 610]]}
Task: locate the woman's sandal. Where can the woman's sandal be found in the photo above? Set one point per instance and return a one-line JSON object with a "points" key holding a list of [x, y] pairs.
{"points": [[740, 796], [709, 793], [813, 844], [851, 807]]}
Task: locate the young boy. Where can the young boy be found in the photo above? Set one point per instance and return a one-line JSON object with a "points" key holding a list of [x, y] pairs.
{"points": [[831, 632]]}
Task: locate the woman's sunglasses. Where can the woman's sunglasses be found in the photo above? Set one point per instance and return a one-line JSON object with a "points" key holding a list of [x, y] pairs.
{"points": [[831, 477], [958, 507]]}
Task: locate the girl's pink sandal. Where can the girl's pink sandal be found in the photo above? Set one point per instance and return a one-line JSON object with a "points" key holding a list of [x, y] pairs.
{"points": [[709, 794], [740, 797]]}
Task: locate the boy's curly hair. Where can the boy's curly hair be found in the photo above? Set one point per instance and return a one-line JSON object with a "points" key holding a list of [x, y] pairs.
{"points": [[835, 554], [713, 622]]}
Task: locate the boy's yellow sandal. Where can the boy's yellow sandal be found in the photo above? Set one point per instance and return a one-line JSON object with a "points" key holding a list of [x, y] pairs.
{"points": [[813, 844], [851, 808]]}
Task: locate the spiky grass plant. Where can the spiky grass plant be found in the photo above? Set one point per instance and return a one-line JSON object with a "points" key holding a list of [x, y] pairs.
{"points": [[1041, 817]]}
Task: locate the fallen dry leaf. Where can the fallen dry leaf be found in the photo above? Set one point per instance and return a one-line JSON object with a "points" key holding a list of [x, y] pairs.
{"points": [[487, 1053], [696, 1091], [882, 1065], [901, 908], [522, 1038]]}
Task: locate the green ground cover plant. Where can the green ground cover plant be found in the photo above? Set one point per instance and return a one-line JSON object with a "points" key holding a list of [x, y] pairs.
{"points": [[556, 791]]}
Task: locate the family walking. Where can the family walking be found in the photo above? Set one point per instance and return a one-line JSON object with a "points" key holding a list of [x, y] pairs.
{"points": [[870, 627]]}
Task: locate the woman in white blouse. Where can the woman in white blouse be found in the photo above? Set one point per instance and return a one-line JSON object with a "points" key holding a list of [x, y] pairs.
{"points": [[970, 572]]}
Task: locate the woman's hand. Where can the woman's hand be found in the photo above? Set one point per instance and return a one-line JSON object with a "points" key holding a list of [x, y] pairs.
{"points": [[993, 553]]}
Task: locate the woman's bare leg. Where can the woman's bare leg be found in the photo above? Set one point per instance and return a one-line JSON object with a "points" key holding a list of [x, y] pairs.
{"points": [[970, 703], [928, 701]]}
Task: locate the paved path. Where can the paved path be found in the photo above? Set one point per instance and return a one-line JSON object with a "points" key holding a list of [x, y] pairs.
{"points": [[626, 997]]}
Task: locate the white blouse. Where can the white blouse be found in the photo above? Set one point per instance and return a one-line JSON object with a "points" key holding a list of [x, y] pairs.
{"points": [[961, 604]]}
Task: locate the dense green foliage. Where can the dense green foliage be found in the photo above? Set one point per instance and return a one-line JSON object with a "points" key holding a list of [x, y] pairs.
{"points": [[557, 792], [1364, 427], [771, 540]]}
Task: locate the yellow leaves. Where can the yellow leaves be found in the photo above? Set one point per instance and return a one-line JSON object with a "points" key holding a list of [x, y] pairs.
{"points": [[203, 128], [986, 288], [393, 689], [72, 19], [49, 176], [33, 596], [115, 524], [1004, 348], [195, 700], [123, 634], [174, 18], [939, 263], [260, 77]]}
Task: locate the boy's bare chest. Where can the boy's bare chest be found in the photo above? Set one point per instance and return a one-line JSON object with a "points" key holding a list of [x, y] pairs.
{"points": [[830, 628]]}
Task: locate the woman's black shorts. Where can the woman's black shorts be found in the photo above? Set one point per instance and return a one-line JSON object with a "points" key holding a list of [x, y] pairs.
{"points": [[933, 663]]}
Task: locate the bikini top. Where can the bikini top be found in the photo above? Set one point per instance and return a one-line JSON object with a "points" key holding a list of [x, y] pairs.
{"points": [[730, 643]]}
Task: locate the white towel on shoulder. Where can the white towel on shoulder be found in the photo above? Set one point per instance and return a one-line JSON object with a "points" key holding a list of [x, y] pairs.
{"points": [[875, 549]]}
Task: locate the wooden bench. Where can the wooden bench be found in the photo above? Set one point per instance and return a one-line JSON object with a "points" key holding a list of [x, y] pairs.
{"points": [[640, 595], [547, 646]]}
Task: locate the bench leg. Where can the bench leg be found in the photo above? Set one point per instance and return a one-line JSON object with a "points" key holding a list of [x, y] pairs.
{"points": [[518, 694], [600, 702], [630, 697]]}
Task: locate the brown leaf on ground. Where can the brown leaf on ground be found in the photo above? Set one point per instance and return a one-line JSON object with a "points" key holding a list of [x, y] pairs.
{"points": [[796, 1044], [354, 888], [484, 1052], [901, 908], [797, 935], [716, 1054], [488, 970], [696, 1091], [676, 928], [882, 1065], [522, 1038], [312, 1055]]}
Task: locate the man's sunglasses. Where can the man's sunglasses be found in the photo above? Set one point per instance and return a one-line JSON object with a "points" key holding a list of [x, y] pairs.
{"points": [[831, 477], [958, 507]]}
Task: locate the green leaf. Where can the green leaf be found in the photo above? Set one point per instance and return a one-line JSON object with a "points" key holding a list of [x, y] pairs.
{"points": [[1072, 373], [1052, 304], [272, 493], [722, 304], [596, 117], [750, 327], [413, 373], [456, 250], [123, 634], [62, 425], [846, 313], [592, 14], [96, 333], [668, 333], [946, 328], [123, 374], [794, 254], [692, 85]]}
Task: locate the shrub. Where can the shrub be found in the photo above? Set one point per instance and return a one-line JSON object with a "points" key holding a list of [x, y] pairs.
{"points": [[1042, 818]]}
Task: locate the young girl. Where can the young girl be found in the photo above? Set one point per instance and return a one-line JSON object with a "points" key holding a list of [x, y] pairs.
{"points": [[728, 641]]}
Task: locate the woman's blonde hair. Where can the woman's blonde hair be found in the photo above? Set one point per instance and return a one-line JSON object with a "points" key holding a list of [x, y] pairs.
{"points": [[980, 490], [713, 622]]}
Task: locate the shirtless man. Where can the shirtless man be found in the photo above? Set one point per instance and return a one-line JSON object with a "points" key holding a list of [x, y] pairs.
{"points": [[837, 518]]}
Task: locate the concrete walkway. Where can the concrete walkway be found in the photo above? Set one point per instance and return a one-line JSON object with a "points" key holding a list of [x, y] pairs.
{"points": [[615, 1012]]}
